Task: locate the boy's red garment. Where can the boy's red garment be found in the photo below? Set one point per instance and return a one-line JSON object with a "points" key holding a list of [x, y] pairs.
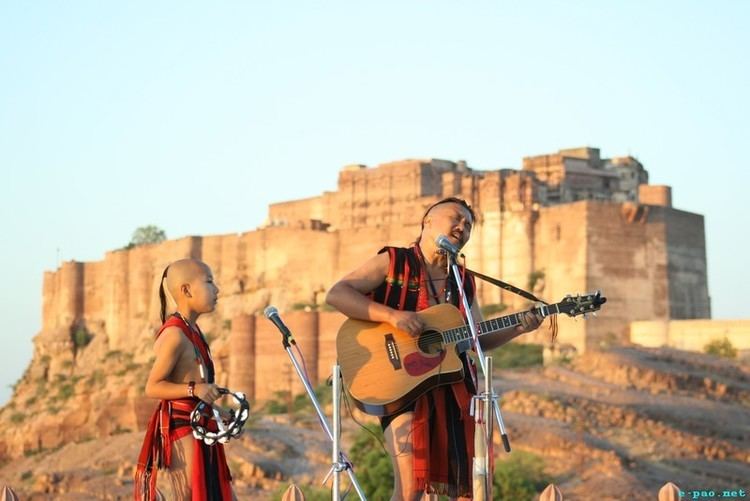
{"points": [[211, 480]]}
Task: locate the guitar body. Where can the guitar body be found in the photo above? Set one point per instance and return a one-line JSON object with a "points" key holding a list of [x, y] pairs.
{"points": [[385, 369]]}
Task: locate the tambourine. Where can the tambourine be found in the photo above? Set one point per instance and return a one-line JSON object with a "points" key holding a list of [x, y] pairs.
{"points": [[225, 430]]}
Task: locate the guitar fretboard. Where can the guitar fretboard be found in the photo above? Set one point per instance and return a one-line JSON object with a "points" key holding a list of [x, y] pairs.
{"points": [[458, 334]]}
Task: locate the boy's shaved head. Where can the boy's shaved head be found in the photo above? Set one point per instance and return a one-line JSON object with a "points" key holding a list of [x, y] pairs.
{"points": [[182, 272], [177, 274]]}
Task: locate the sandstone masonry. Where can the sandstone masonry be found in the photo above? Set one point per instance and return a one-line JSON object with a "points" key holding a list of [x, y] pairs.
{"points": [[566, 222]]}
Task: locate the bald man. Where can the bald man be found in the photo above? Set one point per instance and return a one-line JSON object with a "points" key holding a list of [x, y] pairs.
{"points": [[431, 440], [182, 375]]}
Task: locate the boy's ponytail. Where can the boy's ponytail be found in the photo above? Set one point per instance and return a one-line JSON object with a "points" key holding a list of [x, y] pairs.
{"points": [[163, 296]]}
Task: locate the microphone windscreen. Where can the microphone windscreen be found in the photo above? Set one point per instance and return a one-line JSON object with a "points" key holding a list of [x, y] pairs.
{"points": [[443, 243], [270, 311]]}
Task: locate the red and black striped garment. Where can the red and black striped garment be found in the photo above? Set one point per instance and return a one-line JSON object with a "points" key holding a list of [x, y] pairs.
{"points": [[442, 429], [211, 480]]}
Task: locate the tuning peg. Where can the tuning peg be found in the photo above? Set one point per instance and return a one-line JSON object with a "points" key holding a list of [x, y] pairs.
{"points": [[594, 314]]}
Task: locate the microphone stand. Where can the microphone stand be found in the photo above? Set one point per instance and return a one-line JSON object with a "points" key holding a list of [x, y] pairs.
{"points": [[488, 398], [339, 460]]}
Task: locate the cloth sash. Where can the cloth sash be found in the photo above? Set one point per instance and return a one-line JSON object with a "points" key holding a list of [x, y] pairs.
{"points": [[210, 480], [442, 432]]}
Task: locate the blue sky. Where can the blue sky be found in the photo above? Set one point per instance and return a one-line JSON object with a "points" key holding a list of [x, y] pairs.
{"points": [[195, 117]]}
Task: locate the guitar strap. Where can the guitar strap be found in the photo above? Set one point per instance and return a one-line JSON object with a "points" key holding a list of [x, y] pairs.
{"points": [[524, 294], [508, 287]]}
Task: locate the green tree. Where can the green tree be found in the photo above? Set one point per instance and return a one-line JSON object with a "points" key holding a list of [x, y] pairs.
{"points": [[322, 393], [81, 337], [535, 277], [516, 354], [371, 462], [147, 235], [519, 478], [721, 348], [492, 309]]}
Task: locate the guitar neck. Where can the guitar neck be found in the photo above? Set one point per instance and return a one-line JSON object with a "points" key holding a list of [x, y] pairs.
{"points": [[462, 333]]}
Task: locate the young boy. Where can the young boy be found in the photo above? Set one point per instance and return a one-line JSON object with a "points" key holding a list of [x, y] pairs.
{"points": [[182, 375]]}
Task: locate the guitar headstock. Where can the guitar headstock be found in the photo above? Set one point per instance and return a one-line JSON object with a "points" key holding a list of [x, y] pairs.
{"points": [[581, 305]]}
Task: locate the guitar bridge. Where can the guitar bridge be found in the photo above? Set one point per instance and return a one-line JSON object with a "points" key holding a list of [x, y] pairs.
{"points": [[392, 350]]}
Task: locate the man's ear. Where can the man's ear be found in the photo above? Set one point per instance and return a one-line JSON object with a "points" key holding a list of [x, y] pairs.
{"points": [[185, 289]]}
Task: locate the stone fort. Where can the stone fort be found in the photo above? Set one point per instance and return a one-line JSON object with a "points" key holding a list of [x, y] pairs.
{"points": [[563, 223]]}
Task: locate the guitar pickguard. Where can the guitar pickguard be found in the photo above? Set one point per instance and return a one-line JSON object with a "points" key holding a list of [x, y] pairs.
{"points": [[417, 364]]}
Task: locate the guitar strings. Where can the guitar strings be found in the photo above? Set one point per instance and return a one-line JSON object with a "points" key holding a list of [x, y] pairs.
{"points": [[434, 336], [427, 339]]}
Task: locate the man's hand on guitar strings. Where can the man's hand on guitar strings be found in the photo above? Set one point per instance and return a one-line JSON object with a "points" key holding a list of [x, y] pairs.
{"points": [[407, 321]]}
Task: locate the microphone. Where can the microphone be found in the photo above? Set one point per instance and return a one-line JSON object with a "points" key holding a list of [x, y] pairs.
{"points": [[272, 314], [443, 243]]}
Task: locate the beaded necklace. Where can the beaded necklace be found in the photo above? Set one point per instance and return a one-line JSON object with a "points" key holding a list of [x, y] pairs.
{"points": [[431, 283], [433, 289]]}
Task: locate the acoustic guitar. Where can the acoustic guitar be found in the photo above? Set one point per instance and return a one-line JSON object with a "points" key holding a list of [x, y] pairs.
{"points": [[385, 369]]}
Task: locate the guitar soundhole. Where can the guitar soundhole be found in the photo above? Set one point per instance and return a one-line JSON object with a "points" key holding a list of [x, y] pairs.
{"points": [[430, 343]]}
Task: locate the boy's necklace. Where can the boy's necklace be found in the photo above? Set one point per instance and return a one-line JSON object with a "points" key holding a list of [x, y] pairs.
{"points": [[198, 356]]}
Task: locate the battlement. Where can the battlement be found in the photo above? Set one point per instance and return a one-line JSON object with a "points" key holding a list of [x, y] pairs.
{"points": [[390, 193], [398, 192], [586, 232]]}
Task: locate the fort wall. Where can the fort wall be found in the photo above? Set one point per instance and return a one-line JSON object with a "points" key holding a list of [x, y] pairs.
{"points": [[686, 258], [691, 335], [571, 222], [649, 260]]}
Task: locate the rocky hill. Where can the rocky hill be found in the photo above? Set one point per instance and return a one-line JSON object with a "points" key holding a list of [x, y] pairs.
{"points": [[609, 425]]}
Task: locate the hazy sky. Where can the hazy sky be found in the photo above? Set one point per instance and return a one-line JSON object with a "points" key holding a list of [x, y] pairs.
{"points": [[194, 117]]}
